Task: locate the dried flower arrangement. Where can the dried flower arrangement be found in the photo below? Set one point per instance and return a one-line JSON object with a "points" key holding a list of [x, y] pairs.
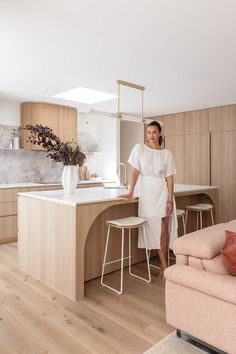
{"points": [[69, 153]]}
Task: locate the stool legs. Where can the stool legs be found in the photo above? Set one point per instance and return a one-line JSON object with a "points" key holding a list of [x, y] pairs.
{"points": [[184, 225], [120, 291], [122, 262], [199, 219], [200, 214], [186, 218], [105, 255], [147, 257], [212, 218]]}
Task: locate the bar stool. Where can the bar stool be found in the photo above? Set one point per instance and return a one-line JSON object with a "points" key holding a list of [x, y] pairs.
{"points": [[180, 213], [200, 208], [129, 223]]}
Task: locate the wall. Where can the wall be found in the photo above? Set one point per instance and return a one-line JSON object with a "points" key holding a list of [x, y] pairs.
{"points": [[100, 136], [10, 113], [22, 165], [131, 133]]}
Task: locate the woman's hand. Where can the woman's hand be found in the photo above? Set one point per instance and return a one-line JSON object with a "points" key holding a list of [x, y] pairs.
{"points": [[128, 196], [169, 208]]}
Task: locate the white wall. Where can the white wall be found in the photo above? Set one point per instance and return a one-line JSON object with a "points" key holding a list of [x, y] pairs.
{"points": [[131, 133], [102, 132], [9, 113]]}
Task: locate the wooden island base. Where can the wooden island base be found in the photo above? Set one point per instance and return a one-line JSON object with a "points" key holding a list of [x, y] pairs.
{"points": [[62, 244]]}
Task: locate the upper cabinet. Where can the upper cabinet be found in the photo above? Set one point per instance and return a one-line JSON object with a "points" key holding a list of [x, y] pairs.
{"points": [[222, 118], [67, 123], [196, 122], [61, 119], [173, 124]]}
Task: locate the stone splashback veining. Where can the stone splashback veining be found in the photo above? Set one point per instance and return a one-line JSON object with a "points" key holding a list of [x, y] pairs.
{"points": [[28, 166], [22, 165]]}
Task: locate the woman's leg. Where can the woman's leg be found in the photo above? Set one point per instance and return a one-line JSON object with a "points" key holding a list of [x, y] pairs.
{"points": [[163, 252]]}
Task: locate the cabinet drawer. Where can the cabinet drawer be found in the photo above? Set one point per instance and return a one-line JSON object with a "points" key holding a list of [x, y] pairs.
{"points": [[8, 226], [8, 208], [10, 195]]}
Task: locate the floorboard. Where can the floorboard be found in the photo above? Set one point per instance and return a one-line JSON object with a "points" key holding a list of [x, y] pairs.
{"points": [[35, 319]]}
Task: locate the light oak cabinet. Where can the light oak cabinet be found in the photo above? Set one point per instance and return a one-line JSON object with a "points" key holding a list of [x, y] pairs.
{"points": [[205, 151], [222, 118], [173, 124], [191, 153], [176, 144], [61, 119], [9, 212], [196, 122], [197, 159], [223, 170], [67, 123]]}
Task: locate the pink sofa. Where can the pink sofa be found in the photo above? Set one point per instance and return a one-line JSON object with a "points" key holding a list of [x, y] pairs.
{"points": [[200, 293]]}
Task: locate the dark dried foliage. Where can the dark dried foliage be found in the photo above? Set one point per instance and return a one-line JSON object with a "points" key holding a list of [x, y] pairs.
{"points": [[69, 153]]}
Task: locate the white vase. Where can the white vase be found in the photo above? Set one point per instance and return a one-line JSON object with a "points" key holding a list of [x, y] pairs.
{"points": [[70, 178]]}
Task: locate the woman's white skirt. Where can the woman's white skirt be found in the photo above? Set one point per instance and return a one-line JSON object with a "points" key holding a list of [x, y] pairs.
{"points": [[153, 199]]}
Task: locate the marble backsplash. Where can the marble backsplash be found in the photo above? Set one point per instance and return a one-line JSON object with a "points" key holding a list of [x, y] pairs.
{"points": [[28, 166], [22, 165]]}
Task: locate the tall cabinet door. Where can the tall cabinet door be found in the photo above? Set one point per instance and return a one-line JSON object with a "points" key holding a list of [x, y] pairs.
{"points": [[176, 145], [197, 159], [223, 171]]}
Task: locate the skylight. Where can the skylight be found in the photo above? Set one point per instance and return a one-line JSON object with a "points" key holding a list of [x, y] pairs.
{"points": [[85, 95]]}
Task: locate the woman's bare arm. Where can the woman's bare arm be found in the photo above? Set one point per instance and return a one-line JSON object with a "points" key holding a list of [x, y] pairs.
{"points": [[170, 186], [134, 177]]}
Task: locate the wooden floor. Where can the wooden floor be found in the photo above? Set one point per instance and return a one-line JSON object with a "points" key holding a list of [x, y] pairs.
{"points": [[35, 319]]}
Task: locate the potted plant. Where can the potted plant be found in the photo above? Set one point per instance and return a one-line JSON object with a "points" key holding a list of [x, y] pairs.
{"points": [[69, 153]]}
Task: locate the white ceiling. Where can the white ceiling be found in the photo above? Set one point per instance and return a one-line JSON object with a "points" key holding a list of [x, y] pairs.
{"points": [[182, 51]]}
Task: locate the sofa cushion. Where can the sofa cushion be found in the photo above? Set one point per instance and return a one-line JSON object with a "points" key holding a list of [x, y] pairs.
{"points": [[231, 225], [205, 243], [215, 265], [229, 252], [219, 285]]}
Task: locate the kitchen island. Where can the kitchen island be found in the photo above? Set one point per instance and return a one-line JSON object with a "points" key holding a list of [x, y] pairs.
{"points": [[61, 237]]}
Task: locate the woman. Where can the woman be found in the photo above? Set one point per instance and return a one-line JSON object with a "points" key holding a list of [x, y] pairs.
{"points": [[156, 167]]}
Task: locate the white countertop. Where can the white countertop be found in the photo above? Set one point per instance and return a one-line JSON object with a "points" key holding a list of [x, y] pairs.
{"points": [[44, 184], [100, 194]]}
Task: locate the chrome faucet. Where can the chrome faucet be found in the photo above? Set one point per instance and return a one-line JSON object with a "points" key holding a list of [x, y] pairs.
{"points": [[125, 182]]}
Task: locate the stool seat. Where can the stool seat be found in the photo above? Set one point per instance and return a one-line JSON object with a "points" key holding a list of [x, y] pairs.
{"points": [[131, 221], [180, 212], [200, 207]]}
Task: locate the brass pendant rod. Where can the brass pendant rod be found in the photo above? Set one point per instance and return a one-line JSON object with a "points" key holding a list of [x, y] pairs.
{"points": [[125, 83]]}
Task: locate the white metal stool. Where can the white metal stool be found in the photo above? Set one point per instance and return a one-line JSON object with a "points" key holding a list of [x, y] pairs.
{"points": [[180, 213], [129, 223], [199, 208]]}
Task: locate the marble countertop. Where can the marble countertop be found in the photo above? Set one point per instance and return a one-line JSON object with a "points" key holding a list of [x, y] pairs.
{"points": [[101, 194]]}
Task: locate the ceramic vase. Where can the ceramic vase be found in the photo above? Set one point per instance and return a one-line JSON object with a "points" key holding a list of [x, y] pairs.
{"points": [[70, 179]]}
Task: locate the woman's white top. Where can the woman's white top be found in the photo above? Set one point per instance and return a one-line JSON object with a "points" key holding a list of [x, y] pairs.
{"points": [[154, 167]]}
